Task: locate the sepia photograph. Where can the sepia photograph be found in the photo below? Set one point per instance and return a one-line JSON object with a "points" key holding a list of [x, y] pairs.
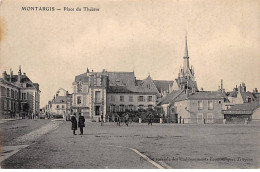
{"points": [[127, 84]]}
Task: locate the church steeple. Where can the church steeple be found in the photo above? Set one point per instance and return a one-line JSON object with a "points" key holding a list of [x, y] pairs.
{"points": [[186, 54], [186, 65]]}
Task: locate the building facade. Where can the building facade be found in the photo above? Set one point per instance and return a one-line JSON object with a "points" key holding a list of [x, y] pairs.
{"points": [[121, 99], [89, 94], [96, 93], [60, 106], [243, 113], [20, 97]]}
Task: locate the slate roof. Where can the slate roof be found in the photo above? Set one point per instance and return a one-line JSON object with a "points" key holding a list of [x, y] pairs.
{"points": [[245, 95], [6, 82], [115, 78], [60, 99], [207, 95], [180, 95], [257, 96], [162, 84], [138, 82], [170, 98], [191, 83], [118, 89], [121, 78], [232, 93], [245, 108], [24, 79], [82, 77], [131, 89]]}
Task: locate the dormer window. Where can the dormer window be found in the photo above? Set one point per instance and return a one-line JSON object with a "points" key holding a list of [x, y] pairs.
{"points": [[79, 87]]}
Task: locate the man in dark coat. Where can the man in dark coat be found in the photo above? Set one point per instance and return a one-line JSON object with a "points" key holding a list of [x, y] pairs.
{"points": [[118, 120], [102, 119], [73, 123], [150, 119], [81, 123], [126, 119]]}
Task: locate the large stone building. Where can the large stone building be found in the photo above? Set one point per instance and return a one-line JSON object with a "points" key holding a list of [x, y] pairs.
{"points": [[96, 93], [20, 97], [89, 94]]}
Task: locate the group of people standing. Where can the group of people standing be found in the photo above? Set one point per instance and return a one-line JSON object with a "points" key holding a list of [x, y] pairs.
{"points": [[81, 121], [126, 119], [75, 124]]}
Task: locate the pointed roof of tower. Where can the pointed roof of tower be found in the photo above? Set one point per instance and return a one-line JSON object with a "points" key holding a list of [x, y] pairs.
{"points": [[186, 53]]}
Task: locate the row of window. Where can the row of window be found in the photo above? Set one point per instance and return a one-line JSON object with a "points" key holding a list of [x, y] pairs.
{"points": [[131, 98], [10, 93], [209, 118], [58, 107], [210, 104], [123, 108], [10, 105], [121, 98]]}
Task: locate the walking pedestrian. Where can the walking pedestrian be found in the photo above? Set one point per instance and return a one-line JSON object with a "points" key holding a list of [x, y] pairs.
{"points": [[118, 120], [81, 123], [102, 119], [126, 119], [73, 123], [150, 119]]}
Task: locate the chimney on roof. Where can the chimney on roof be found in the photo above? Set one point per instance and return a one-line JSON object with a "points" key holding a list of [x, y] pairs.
{"points": [[255, 90], [221, 85], [24, 74], [19, 74], [4, 75], [87, 70], [236, 89], [202, 89], [243, 87], [11, 75]]}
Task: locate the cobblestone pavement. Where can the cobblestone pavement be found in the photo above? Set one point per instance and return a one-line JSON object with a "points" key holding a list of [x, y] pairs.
{"points": [[35, 134], [170, 145], [10, 130], [37, 129]]}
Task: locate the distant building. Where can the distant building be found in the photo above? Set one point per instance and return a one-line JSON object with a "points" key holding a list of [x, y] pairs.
{"points": [[20, 97], [194, 107], [121, 98], [160, 87], [241, 113], [240, 95], [61, 104]]}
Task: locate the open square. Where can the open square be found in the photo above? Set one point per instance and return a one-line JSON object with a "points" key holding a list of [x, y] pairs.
{"points": [[170, 145]]}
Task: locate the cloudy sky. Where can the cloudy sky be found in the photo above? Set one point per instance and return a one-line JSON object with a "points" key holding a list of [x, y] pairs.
{"points": [[55, 46]]}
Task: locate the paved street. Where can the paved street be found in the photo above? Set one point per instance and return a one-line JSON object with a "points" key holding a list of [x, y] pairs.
{"points": [[136, 146]]}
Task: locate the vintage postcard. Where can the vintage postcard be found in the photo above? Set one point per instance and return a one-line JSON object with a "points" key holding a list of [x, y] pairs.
{"points": [[127, 84]]}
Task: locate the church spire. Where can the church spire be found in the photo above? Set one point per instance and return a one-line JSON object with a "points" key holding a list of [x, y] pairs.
{"points": [[186, 65], [186, 54]]}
